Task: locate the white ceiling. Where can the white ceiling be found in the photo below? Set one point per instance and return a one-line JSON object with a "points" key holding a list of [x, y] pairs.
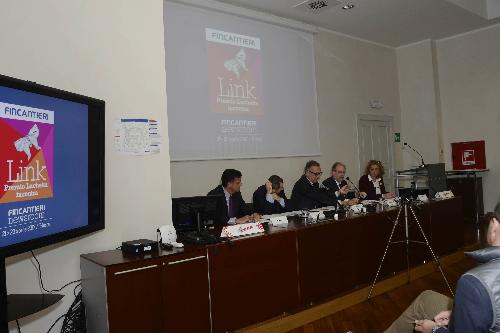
{"points": [[389, 22]]}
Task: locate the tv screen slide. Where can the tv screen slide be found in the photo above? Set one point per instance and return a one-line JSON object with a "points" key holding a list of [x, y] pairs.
{"points": [[48, 164]]}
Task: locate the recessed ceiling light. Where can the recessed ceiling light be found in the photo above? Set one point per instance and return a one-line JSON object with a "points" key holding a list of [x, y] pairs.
{"points": [[348, 6]]}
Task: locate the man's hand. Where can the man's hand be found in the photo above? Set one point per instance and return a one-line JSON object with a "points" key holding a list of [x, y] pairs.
{"points": [[362, 195], [344, 189], [354, 201], [443, 318], [243, 219], [276, 197], [255, 217], [269, 187], [425, 325]]}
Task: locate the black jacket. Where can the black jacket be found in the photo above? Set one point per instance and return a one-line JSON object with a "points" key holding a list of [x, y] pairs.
{"points": [[365, 185], [241, 208], [264, 207], [308, 196]]}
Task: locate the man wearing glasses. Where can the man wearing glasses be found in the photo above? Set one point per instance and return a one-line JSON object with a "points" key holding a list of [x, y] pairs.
{"points": [[308, 193]]}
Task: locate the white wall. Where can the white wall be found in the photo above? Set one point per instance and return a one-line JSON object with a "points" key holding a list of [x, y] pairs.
{"points": [[419, 108], [349, 73], [469, 84], [112, 50]]}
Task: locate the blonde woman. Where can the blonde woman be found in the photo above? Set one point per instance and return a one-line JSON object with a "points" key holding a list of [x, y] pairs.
{"points": [[372, 182]]}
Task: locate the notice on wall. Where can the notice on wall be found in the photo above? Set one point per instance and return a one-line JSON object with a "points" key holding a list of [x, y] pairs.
{"points": [[137, 136]]}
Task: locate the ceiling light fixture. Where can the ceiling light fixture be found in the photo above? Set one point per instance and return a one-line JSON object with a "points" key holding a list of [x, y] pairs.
{"points": [[348, 6]]}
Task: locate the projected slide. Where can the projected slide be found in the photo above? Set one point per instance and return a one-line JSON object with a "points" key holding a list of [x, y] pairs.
{"points": [[237, 88], [41, 145], [235, 84]]}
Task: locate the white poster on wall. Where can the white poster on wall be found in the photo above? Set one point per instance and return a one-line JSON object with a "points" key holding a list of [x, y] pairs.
{"points": [[137, 136]]}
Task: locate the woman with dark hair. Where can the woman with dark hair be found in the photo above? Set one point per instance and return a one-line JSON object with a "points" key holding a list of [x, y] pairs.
{"points": [[372, 182]]}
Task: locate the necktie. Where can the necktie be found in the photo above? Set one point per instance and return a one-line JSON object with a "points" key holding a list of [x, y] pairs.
{"points": [[230, 209]]}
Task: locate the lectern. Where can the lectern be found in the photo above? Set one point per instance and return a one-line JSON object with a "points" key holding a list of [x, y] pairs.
{"points": [[431, 177]]}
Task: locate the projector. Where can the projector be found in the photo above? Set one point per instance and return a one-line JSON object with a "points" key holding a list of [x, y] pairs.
{"points": [[139, 246]]}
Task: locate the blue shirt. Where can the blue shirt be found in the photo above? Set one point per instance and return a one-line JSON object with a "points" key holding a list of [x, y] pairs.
{"points": [[472, 309]]}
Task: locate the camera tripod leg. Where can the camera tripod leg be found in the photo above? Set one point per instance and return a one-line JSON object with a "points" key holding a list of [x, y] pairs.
{"points": [[407, 242], [436, 260], [385, 252]]}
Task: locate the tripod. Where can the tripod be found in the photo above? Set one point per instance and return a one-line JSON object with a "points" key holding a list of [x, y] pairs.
{"points": [[405, 204]]}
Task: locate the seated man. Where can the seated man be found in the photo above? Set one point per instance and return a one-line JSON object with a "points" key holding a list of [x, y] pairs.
{"points": [[308, 193], [235, 209], [477, 301], [337, 185], [271, 198]]}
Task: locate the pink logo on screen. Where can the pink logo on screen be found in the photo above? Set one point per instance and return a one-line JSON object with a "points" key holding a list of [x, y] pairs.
{"points": [[26, 155], [234, 73], [237, 63], [31, 139]]}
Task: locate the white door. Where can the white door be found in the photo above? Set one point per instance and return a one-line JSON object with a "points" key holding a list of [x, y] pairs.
{"points": [[375, 143]]}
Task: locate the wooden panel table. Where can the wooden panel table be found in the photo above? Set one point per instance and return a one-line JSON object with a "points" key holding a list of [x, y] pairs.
{"points": [[253, 279], [227, 286]]}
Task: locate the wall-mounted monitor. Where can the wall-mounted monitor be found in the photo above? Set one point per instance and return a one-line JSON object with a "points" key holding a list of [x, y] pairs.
{"points": [[51, 165]]}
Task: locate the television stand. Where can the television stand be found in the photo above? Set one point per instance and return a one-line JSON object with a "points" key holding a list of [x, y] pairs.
{"points": [[20, 305]]}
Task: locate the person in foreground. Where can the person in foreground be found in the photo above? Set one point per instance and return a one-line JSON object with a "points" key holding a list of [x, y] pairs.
{"points": [[235, 209], [476, 308], [338, 185], [308, 193], [372, 182], [271, 198]]}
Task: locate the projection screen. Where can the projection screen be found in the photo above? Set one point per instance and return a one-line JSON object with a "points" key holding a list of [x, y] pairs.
{"points": [[237, 88]]}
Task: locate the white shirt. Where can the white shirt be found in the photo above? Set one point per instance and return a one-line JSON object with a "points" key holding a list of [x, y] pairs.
{"points": [[270, 199], [376, 183], [337, 193]]}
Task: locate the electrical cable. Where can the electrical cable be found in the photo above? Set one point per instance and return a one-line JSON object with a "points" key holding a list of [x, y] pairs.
{"points": [[74, 319], [40, 279]]}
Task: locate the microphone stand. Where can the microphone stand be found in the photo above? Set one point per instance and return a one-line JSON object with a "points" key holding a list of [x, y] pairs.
{"points": [[357, 189], [416, 151]]}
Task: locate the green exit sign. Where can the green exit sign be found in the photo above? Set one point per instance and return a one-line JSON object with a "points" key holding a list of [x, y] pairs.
{"points": [[397, 137]]}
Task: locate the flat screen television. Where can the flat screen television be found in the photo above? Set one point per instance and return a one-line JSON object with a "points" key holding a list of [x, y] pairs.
{"points": [[51, 165]]}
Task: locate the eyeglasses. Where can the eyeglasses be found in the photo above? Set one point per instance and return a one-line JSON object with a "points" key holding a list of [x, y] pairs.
{"points": [[316, 173]]}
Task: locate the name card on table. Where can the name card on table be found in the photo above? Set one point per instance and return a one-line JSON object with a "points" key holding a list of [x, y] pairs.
{"points": [[279, 220], [357, 209], [390, 203], [238, 230], [423, 198], [444, 195]]}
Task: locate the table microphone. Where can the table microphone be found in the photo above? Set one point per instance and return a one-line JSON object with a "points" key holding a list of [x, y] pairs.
{"points": [[357, 189], [416, 151]]}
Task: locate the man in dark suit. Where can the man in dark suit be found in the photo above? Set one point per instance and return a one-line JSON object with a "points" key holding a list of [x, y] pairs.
{"points": [[235, 210], [338, 185], [271, 198], [308, 193]]}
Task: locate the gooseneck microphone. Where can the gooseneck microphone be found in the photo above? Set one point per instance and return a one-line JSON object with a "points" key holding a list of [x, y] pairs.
{"points": [[416, 151], [357, 189]]}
